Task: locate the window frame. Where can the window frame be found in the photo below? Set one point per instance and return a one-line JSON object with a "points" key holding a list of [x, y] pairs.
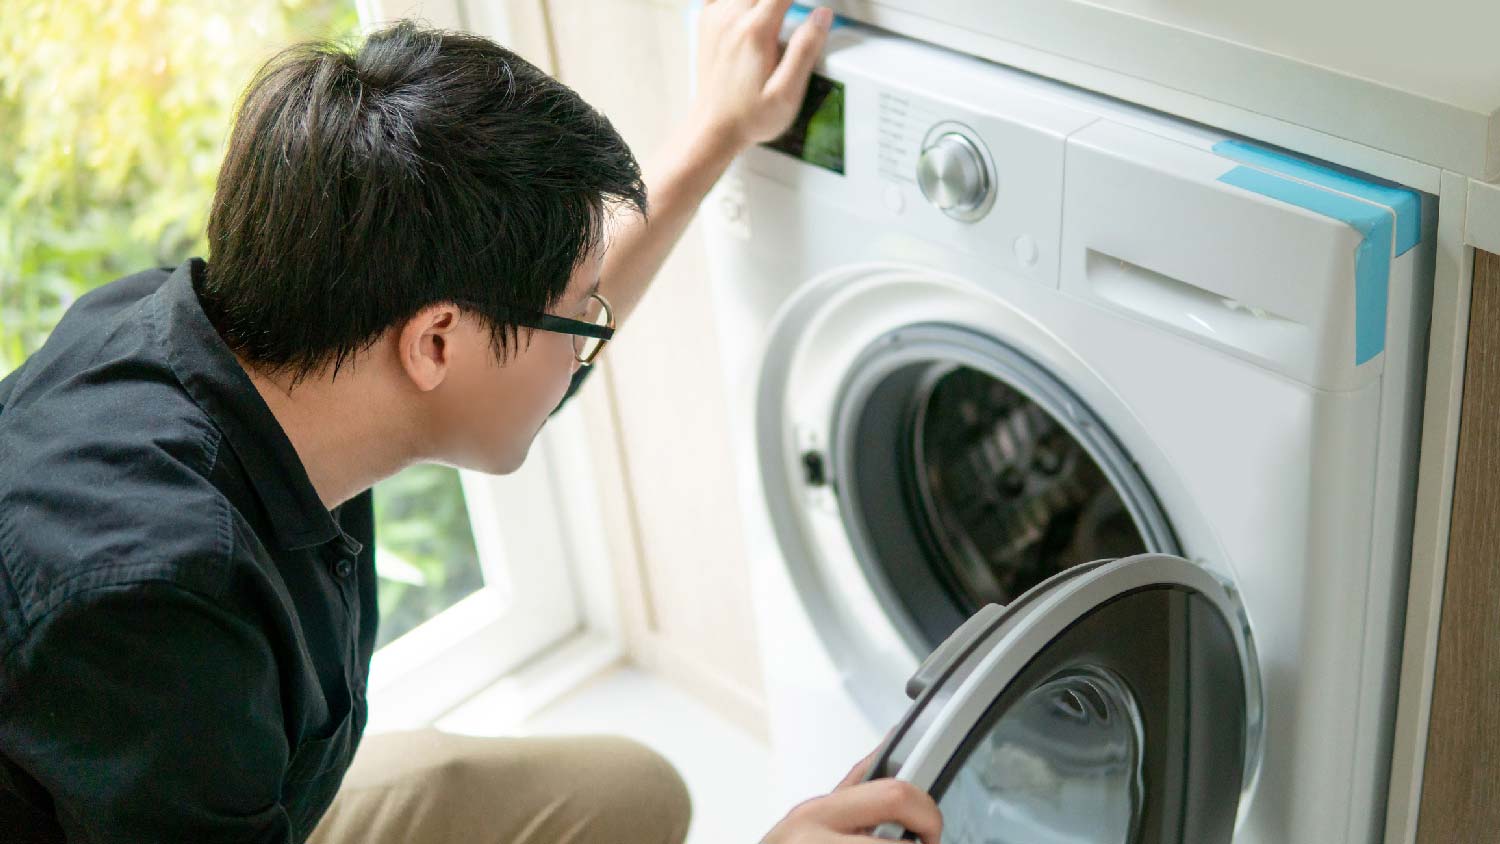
{"points": [[546, 584]]}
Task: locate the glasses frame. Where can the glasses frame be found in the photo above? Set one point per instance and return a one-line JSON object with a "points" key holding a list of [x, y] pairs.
{"points": [[574, 327]]}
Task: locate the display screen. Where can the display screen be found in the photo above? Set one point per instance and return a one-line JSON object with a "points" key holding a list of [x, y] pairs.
{"points": [[817, 135]]}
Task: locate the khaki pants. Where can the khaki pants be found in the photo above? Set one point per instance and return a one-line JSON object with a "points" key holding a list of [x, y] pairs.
{"points": [[428, 787]]}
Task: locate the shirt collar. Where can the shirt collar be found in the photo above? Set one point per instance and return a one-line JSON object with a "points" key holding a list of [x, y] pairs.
{"points": [[209, 372]]}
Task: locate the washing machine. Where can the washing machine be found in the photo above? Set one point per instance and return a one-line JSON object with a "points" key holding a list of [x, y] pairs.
{"points": [[1118, 410]]}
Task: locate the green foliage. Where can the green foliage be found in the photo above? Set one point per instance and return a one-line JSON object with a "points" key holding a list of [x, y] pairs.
{"points": [[113, 117], [426, 548]]}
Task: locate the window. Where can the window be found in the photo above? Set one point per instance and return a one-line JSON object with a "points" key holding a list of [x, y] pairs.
{"points": [[424, 548]]}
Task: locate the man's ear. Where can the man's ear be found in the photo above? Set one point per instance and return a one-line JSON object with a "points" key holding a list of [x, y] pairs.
{"points": [[425, 345]]}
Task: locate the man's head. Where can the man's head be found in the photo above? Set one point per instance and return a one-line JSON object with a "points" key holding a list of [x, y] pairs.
{"points": [[403, 206]]}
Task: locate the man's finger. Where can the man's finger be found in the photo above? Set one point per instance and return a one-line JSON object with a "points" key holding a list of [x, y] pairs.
{"points": [[860, 770], [867, 805], [789, 79], [776, 9]]}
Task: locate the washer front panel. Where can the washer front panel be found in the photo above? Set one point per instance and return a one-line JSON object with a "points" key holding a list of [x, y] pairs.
{"points": [[817, 342]]}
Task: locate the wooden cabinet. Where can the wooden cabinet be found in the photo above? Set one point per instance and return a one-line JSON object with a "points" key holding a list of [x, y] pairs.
{"points": [[1461, 783]]}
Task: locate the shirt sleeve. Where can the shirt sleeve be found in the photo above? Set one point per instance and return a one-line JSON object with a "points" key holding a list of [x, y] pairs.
{"points": [[149, 713]]}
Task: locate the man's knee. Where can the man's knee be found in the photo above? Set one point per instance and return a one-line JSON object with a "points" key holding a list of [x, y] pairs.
{"points": [[637, 795], [576, 789], [435, 787]]}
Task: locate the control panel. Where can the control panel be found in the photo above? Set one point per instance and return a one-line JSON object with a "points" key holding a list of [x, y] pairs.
{"points": [[933, 150]]}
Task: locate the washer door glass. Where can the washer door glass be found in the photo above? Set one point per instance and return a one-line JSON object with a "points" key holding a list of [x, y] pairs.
{"points": [[1061, 764], [1112, 706], [1009, 495], [968, 474]]}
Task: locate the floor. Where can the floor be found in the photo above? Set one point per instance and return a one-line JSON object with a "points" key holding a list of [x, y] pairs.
{"points": [[726, 769]]}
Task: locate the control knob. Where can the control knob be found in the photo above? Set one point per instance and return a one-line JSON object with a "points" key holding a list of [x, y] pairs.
{"points": [[952, 175]]}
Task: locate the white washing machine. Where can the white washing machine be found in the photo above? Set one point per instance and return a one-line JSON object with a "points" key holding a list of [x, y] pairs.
{"points": [[982, 332]]}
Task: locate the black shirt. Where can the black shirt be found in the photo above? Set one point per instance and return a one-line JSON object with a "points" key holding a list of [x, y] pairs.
{"points": [[185, 629]]}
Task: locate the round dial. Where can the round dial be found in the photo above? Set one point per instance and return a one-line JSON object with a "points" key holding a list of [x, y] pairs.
{"points": [[952, 174]]}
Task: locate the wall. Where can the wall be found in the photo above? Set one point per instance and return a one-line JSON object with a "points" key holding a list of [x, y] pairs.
{"points": [[658, 421]]}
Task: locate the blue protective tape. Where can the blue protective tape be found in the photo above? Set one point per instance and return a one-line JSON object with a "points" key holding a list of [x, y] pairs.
{"points": [[1405, 203], [1372, 260], [798, 13]]}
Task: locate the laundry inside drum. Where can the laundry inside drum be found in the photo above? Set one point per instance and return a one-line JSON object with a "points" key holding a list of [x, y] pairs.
{"points": [[966, 473], [1008, 495]]}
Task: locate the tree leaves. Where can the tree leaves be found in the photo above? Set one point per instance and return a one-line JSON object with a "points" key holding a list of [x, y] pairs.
{"points": [[422, 526], [113, 117]]}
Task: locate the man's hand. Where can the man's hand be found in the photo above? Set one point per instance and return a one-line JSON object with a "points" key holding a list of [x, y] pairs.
{"points": [[850, 811], [748, 91]]}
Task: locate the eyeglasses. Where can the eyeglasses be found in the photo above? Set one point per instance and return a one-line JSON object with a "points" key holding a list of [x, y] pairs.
{"points": [[590, 334]]}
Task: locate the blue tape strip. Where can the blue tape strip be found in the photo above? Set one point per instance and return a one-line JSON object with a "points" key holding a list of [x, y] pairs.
{"points": [[798, 13], [1405, 203], [1372, 260]]}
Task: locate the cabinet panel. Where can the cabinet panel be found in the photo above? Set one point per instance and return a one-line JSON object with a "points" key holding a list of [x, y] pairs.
{"points": [[1460, 790]]}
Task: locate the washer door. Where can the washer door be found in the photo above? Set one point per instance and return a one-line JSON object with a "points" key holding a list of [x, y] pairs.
{"points": [[1115, 703]]}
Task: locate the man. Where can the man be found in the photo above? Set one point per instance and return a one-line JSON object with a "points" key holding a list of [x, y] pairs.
{"points": [[415, 249]]}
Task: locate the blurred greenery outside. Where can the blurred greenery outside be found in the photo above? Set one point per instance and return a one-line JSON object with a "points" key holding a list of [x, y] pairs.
{"points": [[113, 117]]}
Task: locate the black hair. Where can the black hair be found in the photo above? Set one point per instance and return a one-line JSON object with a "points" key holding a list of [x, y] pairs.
{"points": [[361, 185]]}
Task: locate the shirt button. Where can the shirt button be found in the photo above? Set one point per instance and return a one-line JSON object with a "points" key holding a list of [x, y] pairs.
{"points": [[343, 567]]}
